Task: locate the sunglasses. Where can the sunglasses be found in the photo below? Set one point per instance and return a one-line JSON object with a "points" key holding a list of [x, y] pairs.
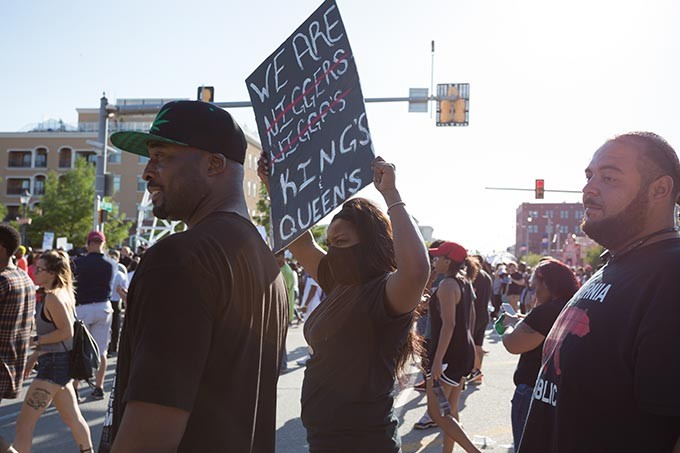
{"points": [[41, 269]]}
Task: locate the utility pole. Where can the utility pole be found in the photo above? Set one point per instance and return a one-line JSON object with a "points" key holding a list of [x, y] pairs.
{"points": [[105, 110]]}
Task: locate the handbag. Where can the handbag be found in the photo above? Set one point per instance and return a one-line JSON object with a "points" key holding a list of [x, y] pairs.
{"points": [[85, 355]]}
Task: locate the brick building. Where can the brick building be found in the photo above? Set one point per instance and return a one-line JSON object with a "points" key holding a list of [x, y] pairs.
{"points": [[544, 228]]}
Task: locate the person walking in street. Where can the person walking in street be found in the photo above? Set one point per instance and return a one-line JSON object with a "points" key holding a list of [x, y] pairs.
{"points": [[120, 286], [53, 384], [362, 335], [94, 275], [611, 365], [554, 284], [17, 305], [452, 349], [482, 285], [207, 312]]}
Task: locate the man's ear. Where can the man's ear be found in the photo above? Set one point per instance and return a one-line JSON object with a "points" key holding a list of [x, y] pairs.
{"points": [[217, 163], [661, 188]]}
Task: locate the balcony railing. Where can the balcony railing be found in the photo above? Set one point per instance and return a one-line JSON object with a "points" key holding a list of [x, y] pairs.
{"points": [[114, 127]]}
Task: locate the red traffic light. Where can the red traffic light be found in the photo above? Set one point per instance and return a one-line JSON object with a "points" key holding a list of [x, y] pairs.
{"points": [[539, 188]]}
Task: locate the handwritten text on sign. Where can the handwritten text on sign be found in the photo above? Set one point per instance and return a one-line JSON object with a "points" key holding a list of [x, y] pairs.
{"points": [[312, 123]]}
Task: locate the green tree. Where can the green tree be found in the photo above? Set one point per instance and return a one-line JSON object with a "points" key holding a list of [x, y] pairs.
{"points": [[593, 256], [67, 206], [532, 259], [263, 216], [116, 228]]}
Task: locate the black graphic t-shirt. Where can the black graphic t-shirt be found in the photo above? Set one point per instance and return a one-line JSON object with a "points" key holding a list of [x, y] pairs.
{"points": [[611, 363]]}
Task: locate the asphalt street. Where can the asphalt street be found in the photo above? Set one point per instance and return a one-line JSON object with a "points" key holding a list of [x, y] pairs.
{"points": [[485, 408]]}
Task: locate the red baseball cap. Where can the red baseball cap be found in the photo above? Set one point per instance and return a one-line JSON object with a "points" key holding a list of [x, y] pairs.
{"points": [[450, 250], [96, 236]]}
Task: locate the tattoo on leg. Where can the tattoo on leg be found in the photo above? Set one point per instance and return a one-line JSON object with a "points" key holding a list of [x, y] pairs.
{"points": [[38, 399]]}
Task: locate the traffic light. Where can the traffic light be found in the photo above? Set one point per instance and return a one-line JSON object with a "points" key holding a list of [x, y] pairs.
{"points": [[206, 94], [453, 111], [539, 189], [103, 216]]}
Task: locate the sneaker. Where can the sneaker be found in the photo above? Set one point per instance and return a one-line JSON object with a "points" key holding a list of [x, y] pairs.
{"points": [[475, 377], [97, 393], [419, 387], [425, 422], [303, 361]]}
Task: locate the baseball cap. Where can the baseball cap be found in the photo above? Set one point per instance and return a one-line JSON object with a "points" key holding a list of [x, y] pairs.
{"points": [[450, 250], [197, 124], [96, 236]]}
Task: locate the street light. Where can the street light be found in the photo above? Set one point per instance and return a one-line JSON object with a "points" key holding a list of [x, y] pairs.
{"points": [[529, 219], [24, 198]]}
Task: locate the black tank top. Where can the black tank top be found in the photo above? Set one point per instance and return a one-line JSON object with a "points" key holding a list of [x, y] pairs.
{"points": [[460, 355]]}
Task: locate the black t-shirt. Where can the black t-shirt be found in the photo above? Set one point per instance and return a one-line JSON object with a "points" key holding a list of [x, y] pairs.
{"points": [[349, 385], [514, 289], [94, 274], [204, 332], [541, 319], [460, 355], [611, 368]]}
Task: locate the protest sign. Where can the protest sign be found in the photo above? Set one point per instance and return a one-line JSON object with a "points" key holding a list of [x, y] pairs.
{"points": [[48, 240], [312, 124]]}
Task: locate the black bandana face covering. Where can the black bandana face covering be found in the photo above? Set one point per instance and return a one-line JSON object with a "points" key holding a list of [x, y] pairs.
{"points": [[350, 265]]}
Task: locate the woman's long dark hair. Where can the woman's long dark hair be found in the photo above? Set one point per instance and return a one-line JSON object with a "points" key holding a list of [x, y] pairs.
{"points": [[375, 233]]}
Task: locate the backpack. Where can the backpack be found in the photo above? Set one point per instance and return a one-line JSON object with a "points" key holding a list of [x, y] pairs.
{"points": [[85, 355]]}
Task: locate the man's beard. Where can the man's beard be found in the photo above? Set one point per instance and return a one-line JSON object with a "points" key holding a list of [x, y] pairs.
{"points": [[617, 231]]}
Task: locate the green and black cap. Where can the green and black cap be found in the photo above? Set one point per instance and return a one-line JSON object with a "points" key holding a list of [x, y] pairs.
{"points": [[197, 124]]}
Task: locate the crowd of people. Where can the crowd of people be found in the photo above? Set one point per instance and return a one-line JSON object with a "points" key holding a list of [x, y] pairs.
{"points": [[200, 331]]}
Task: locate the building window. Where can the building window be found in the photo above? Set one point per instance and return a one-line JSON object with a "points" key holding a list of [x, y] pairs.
{"points": [[89, 156], [564, 228], [143, 160], [114, 157], [16, 186], [41, 158], [533, 228], [13, 212], [141, 184], [20, 159], [549, 214], [65, 157], [578, 214], [564, 214], [577, 229], [116, 183], [39, 185]]}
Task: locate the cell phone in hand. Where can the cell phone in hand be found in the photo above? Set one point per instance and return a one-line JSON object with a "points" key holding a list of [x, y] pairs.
{"points": [[508, 309]]}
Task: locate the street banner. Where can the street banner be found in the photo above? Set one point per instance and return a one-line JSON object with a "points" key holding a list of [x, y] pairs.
{"points": [[312, 124], [48, 240]]}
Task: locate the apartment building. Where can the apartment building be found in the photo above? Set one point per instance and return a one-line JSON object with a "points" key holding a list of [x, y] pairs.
{"points": [[54, 147]]}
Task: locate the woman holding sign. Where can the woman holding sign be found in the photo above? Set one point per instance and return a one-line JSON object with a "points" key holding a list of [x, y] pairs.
{"points": [[374, 274]]}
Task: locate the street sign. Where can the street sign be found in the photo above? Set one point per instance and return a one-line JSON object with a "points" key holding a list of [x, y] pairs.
{"points": [[24, 220], [106, 206], [312, 123], [419, 104], [455, 110]]}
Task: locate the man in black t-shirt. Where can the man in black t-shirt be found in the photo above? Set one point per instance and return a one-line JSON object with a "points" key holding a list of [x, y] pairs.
{"points": [[207, 311], [608, 381]]}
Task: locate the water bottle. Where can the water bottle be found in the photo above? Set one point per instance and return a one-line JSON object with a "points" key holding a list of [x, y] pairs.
{"points": [[442, 400], [498, 325]]}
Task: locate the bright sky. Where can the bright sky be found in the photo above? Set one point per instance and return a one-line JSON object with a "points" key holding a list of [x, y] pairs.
{"points": [[549, 82]]}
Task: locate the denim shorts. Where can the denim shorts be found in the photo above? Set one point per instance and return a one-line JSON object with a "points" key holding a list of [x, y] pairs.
{"points": [[54, 367]]}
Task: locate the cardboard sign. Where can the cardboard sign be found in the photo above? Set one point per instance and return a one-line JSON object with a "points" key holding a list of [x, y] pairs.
{"points": [[312, 123]]}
